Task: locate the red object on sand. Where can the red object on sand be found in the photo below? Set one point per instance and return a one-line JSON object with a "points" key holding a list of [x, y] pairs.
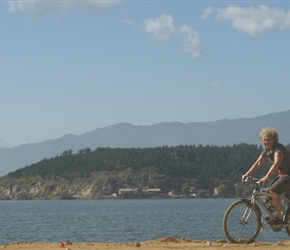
{"points": [[62, 244]]}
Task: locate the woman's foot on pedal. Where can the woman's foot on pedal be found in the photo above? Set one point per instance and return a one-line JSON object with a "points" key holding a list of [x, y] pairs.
{"points": [[275, 221]]}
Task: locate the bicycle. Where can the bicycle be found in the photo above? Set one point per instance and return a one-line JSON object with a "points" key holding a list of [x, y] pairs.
{"points": [[243, 219]]}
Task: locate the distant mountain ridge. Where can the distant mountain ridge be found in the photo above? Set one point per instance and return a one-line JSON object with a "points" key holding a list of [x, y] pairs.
{"points": [[124, 135]]}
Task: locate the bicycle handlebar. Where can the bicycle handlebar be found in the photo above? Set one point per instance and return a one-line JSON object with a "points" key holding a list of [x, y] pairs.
{"points": [[251, 179]]}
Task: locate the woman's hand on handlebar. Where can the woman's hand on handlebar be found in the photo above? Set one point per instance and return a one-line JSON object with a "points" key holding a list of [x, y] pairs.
{"points": [[264, 179], [244, 177]]}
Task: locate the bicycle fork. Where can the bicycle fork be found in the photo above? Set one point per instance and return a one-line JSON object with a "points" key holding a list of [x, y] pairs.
{"points": [[246, 215], [251, 205]]}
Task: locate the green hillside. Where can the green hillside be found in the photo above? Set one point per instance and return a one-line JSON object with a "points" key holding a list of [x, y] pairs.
{"points": [[103, 171]]}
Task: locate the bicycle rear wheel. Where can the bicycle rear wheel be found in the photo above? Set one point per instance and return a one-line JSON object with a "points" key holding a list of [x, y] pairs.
{"points": [[287, 220], [242, 222]]}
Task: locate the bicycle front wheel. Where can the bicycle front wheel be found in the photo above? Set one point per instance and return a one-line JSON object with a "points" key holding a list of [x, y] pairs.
{"points": [[242, 222]]}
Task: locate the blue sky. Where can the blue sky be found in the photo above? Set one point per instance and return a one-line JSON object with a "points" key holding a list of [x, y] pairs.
{"points": [[74, 66]]}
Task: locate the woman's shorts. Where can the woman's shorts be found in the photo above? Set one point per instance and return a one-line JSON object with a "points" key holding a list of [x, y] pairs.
{"points": [[281, 185]]}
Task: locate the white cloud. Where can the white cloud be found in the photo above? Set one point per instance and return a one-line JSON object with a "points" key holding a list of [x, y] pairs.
{"points": [[255, 20], [215, 84], [54, 8], [207, 12], [192, 43], [162, 27], [129, 22]]}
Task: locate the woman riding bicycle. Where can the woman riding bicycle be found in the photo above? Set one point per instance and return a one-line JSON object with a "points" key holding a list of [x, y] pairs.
{"points": [[279, 156]]}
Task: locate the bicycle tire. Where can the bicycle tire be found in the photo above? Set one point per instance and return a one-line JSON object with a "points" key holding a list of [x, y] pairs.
{"points": [[234, 229], [287, 220]]}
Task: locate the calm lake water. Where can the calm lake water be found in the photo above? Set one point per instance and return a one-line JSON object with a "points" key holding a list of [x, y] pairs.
{"points": [[113, 221]]}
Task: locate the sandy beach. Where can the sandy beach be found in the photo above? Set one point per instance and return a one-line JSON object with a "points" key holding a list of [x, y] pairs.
{"points": [[160, 244]]}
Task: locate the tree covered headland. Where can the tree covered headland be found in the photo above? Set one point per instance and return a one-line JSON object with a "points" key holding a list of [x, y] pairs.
{"points": [[168, 168], [198, 162]]}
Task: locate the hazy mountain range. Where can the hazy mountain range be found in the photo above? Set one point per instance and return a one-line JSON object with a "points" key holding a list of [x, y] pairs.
{"points": [[221, 133]]}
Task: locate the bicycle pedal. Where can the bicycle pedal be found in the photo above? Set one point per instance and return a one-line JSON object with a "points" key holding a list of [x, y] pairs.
{"points": [[276, 229]]}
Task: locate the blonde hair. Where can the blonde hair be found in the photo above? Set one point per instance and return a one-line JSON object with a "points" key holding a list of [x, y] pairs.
{"points": [[269, 133]]}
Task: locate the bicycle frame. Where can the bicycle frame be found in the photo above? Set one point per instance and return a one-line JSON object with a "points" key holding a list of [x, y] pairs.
{"points": [[256, 198]]}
